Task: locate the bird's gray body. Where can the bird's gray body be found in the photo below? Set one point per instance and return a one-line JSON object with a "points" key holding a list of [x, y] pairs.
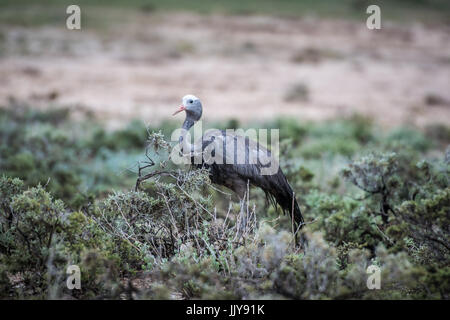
{"points": [[239, 165]]}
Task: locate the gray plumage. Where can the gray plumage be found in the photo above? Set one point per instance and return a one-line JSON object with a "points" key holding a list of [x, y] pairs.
{"points": [[230, 173]]}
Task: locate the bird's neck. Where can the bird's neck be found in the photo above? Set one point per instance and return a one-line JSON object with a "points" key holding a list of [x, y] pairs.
{"points": [[188, 123]]}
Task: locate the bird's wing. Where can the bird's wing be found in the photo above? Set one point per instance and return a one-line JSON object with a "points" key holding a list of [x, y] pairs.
{"points": [[245, 161], [224, 147]]}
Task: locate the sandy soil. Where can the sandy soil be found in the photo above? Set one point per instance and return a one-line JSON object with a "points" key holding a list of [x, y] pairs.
{"points": [[246, 67]]}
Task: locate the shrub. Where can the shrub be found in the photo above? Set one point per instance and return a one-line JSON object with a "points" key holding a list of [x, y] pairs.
{"points": [[177, 236]]}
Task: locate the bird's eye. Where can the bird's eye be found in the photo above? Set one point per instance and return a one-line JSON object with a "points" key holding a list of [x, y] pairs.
{"points": [[190, 101]]}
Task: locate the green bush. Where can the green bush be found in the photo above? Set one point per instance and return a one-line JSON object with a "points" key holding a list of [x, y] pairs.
{"points": [[369, 198]]}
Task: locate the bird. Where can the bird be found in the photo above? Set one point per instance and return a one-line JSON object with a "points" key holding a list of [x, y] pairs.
{"points": [[236, 175]]}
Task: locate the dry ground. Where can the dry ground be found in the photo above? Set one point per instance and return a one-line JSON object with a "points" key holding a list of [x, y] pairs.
{"points": [[246, 67]]}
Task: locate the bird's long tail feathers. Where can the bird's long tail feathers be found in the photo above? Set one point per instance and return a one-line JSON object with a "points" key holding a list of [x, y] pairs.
{"points": [[281, 194]]}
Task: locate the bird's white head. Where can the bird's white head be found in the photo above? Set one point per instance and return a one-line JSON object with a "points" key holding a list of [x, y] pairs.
{"points": [[192, 106]]}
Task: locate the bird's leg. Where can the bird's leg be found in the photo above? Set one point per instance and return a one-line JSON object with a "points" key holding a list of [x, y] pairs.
{"points": [[241, 221], [242, 215]]}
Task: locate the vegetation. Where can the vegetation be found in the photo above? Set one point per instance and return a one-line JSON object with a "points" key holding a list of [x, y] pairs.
{"points": [[369, 197], [28, 13]]}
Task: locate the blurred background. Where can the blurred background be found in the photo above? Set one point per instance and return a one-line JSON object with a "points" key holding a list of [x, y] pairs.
{"points": [[247, 60]]}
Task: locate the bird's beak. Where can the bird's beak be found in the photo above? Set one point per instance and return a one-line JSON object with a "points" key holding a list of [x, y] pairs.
{"points": [[181, 108]]}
